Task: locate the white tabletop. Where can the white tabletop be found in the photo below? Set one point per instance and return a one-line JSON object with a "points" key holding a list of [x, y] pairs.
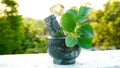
{"points": [[87, 59]]}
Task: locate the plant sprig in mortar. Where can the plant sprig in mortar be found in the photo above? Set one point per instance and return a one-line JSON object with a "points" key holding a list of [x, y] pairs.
{"points": [[78, 31]]}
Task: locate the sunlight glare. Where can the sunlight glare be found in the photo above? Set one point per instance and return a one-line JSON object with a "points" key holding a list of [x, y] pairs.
{"points": [[40, 9]]}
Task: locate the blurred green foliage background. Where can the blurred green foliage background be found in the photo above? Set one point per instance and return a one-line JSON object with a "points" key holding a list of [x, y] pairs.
{"points": [[19, 35], [106, 24]]}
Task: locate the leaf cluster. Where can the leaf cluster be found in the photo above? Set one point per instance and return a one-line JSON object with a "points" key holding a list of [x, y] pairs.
{"points": [[78, 31]]}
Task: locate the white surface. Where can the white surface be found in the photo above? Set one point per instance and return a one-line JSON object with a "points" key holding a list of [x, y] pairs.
{"points": [[87, 59]]}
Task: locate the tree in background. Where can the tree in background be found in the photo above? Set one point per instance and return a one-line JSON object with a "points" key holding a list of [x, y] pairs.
{"points": [[11, 31], [18, 34], [35, 36], [57, 9], [107, 26]]}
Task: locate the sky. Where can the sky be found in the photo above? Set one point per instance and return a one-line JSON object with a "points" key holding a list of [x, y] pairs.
{"points": [[39, 9]]}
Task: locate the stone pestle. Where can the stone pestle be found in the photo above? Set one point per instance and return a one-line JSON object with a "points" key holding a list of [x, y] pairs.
{"points": [[53, 26]]}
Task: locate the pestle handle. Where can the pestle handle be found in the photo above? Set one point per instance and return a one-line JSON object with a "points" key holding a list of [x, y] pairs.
{"points": [[53, 26]]}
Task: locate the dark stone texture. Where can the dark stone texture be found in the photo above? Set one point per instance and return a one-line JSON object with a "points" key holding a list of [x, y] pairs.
{"points": [[61, 54], [53, 26]]}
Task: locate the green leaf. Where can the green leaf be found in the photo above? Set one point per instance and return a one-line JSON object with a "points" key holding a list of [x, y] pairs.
{"points": [[81, 19], [86, 30], [79, 32], [85, 43], [68, 22], [74, 12], [59, 33], [71, 41], [84, 11]]}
